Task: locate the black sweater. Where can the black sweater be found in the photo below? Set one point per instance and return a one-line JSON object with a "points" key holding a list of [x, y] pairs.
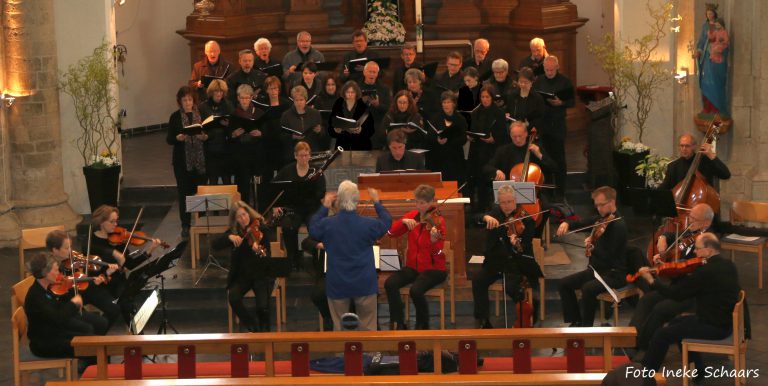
{"points": [[677, 169], [509, 155], [345, 139], [218, 137], [715, 285], [47, 314], [304, 196], [497, 244], [488, 120], [174, 128], [608, 255], [530, 108], [552, 122], [245, 265], [416, 138]]}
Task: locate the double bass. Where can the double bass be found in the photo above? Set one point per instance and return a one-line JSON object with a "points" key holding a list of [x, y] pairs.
{"points": [[693, 189], [529, 172]]}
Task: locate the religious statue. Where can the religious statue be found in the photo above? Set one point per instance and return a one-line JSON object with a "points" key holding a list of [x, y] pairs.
{"points": [[712, 59]]}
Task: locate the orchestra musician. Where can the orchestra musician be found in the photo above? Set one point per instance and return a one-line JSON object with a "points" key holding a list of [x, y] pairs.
{"points": [[318, 296], [211, 65], [606, 252], [359, 51], [104, 223], [653, 310], [54, 320], [303, 54], [303, 198], [408, 55], [249, 241], [247, 74], [710, 166], [188, 151], [398, 158], [486, 118], [501, 82], [247, 145], [511, 154], [350, 105], [305, 119], [480, 60], [405, 110], [425, 262], [451, 79], [524, 104], [348, 239], [378, 98], [59, 244], [536, 60], [218, 153], [502, 246], [446, 148], [715, 288], [552, 124]]}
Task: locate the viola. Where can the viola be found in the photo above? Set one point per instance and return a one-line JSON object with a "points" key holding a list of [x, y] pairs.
{"points": [[94, 263], [529, 172], [253, 235], [672, 269], [597, 231], [121, 235], [65, 283], [516, 227], [431, 218]]}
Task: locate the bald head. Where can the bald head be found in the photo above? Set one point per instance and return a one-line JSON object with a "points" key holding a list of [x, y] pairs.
{"points": [[212, 51], [687, 144], [481, 48], [700, 217]]}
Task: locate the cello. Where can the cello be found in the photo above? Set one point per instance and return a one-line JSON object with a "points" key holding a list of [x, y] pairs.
{"points": [[693, 189], [529, 172]]}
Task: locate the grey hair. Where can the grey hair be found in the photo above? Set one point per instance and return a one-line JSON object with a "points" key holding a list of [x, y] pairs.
{"points": [[710, 240], [211, 43], [552, 58], [499, 65], [298, 35], [260, 42], [298, 91], [537, 42], [244, 89], [415, 74], [348, 196]]}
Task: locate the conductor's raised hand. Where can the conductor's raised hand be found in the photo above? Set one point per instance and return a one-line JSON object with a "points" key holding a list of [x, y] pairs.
{"points": [[328, 199], [374, 194], [562, 229]]}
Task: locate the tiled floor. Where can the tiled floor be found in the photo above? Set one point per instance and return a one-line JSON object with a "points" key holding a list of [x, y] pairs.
{"points": [[203, 308]]}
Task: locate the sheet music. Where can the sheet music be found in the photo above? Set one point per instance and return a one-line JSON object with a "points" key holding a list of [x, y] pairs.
{"points": [[142, 316], [607, 287], [476, 259]]}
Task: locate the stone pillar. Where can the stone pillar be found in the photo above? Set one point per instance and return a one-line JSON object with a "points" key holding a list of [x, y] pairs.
{"points": [[36, 179], [9, 222]]}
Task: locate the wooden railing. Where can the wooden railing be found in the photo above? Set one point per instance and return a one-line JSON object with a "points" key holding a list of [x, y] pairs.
{"points": [[300, 345]]}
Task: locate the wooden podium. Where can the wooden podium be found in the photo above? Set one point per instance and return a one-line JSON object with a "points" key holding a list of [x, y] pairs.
{"points": [[397, 196]]}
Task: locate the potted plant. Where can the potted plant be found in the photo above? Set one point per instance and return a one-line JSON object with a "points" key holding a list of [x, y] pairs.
{"points": [[383, 27], [653, 168], [91, 83]]}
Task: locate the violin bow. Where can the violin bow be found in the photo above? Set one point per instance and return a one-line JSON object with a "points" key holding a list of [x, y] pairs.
{"points": [[271, 204], [522, 218], [451, 195], [593, 225], [88, 249], [133, 229], [72, 264]]}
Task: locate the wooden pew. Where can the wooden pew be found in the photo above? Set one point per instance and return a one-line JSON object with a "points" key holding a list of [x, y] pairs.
{"points": [[300, 345]]}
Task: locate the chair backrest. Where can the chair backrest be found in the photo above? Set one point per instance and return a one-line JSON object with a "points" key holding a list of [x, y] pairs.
{"points": [[219, 189], [35, 237], [749, 211], [19, 292], [738, 320]]}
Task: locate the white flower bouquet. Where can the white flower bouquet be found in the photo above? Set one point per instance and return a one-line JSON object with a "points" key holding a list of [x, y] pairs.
{"points": [[105, 159], [383, 26], [653, 168], [628, 147]]}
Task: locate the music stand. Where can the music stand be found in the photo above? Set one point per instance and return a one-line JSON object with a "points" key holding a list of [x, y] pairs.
{"points": [[528, 267], [656, 202], [206, 203]]}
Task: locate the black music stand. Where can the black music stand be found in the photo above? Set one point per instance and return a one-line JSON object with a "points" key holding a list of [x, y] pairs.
{"points": [[658, 203], [526, 266], [207, 203]]}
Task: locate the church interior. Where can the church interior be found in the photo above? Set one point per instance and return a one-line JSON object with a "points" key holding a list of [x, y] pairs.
{"points": [[633, 105]]}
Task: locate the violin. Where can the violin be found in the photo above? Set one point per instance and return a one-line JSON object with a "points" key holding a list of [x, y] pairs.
{"points": [[65, 283], [597, 231], [529, 172], [431, 218], [516, 227], [679, 247], [80, 262], [253, 235], [672, 269], [121, 235]]}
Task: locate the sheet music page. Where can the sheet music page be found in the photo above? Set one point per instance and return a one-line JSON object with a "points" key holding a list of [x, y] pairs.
{"points": [[145, 312], [607, 287], [476, 259]]}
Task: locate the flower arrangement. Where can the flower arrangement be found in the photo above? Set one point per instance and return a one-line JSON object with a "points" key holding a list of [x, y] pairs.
{"points": [[653, 168], [105, 159], [383, 27], [628, 147]]}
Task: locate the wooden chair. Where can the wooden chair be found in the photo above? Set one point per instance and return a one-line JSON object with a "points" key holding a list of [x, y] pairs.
{"points": [[218, 223], [436, 292], [277, 251], [734, 345], [33, 238], [748, 212], [622, 293], [23, 359], [498, 289], [278, 314], [19, 293]]}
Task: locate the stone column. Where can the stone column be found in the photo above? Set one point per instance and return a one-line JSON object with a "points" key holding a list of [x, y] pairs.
{"points": [[36, 179], [9, 223]]}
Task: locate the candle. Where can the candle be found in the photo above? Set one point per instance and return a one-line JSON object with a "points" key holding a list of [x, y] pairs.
{"points": [[419, 35], [418, 11]]}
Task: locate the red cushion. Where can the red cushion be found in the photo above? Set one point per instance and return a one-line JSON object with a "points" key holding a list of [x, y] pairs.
{"points": [[591, 362], [204, 369]]}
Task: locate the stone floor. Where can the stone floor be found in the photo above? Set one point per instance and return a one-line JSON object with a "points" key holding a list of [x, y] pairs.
{"points": [[202, 308]]}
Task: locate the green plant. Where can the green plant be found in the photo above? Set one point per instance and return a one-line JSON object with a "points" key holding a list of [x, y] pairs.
{"points": [[653, 168], [634, 69], [91, 83]]}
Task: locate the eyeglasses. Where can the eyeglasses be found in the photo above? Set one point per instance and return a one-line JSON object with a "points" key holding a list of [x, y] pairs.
{"points": [[601, 204]]}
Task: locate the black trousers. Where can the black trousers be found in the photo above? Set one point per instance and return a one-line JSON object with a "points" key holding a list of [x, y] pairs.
{"points": [[262, 289], [219, 166], [87, 324], [186, 185], [99, 296], [583, 312], [246, 168], [682, 327], [320, 300], [290, 223], [653, 310], [555, 147], [422, 282], [483, 279]]}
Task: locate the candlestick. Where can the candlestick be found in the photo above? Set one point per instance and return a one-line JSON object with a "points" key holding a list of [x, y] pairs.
{"points": [[419, 29]]}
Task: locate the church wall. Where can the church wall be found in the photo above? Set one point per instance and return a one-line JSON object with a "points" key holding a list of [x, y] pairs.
{"points": [[157, 61], [81, 26], [600, 15]]}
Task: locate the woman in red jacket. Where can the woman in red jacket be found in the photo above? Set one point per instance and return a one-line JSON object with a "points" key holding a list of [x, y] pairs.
{"points": [[425, 262]]}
